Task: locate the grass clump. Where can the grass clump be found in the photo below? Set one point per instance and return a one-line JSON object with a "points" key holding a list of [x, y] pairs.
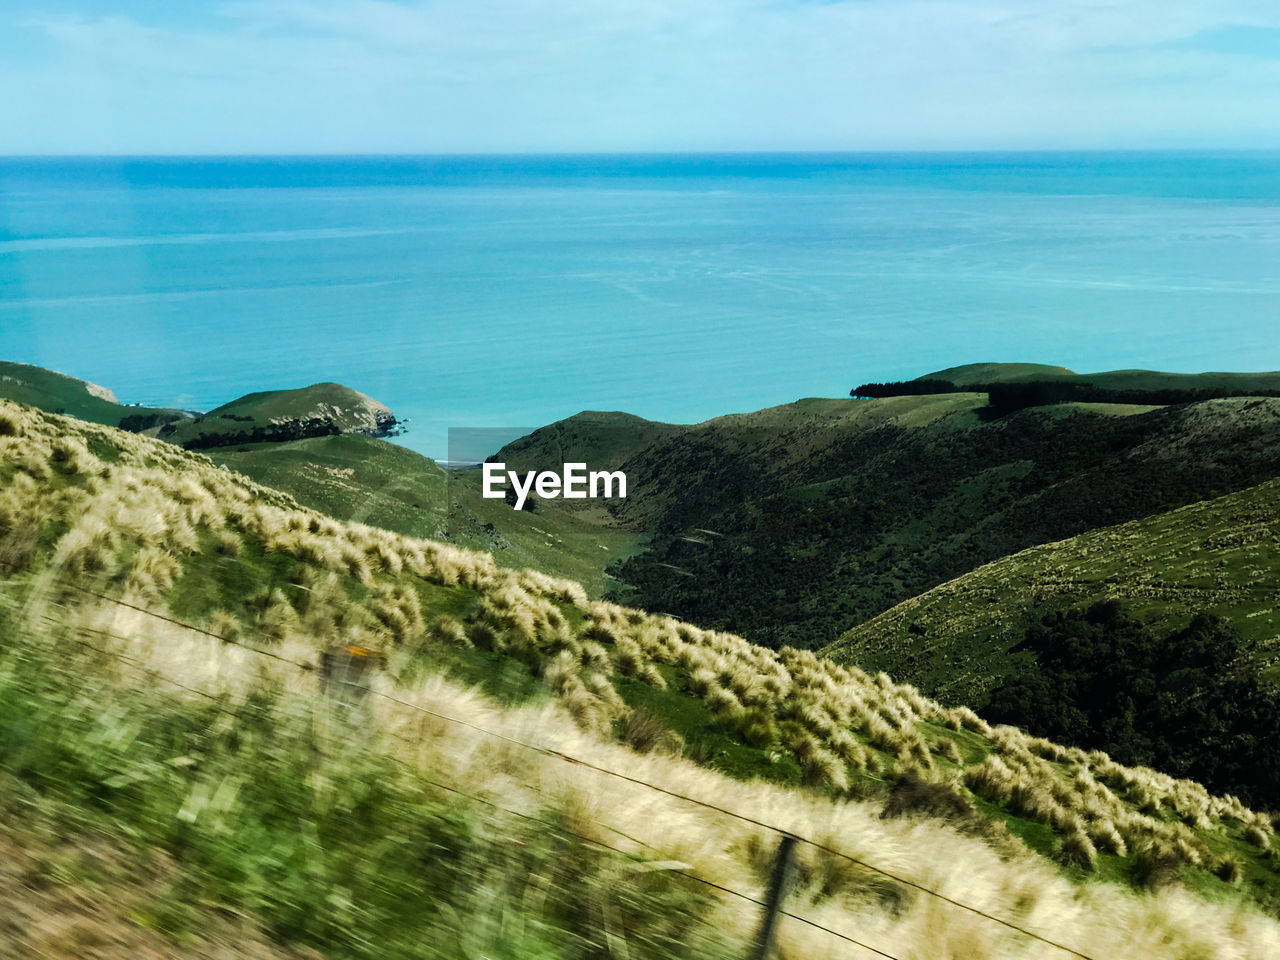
{"points": [[158, 530], [339, 849]]}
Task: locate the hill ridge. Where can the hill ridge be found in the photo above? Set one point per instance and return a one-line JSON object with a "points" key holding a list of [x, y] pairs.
{"points": [[1218, 551], [317, 410], [235, 558]]}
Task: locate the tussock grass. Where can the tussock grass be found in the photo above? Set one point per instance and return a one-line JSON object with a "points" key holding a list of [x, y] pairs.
{"points": [[347, 797], [155, 527], [340, 847]]}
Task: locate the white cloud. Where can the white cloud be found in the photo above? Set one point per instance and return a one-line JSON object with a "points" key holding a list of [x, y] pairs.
{"points": [[444, 75]]}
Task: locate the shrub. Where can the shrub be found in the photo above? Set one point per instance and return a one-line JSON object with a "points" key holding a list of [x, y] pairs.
{"points": [[914, 751], [914, 792], [1077, 849], [604, 690], [562, 672], [991, 779], [643, 732], [17, 541], [758, 728], [947, 748], [1155, 865], [447, 630], [629, 658], [228, 544], [353, 561], [722, 702], [1106, 837], [824, 768], [1198, 697], [962, 718], [651, 675], [702, 681], [850, 750], [69, 455], [586, 709], [598, 632], [398, 611], [1227, 868], [224, 625], [87, 548], [1257, 837]]}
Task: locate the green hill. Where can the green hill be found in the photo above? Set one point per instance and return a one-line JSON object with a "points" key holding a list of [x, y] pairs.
{"points": [[322, 444], [787, 524], [865, 764], [983, 373], [1218, 556], [603, 440], [58, 393], [368, 480], [350, 477], [790, 525], [322, 409], [969, 374]]}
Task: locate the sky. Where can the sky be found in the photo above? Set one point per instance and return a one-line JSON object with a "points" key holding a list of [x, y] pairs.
{"points": [[550, 76]]}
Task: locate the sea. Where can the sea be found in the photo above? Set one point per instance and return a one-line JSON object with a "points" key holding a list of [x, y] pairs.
{"points": [[506, 292]]}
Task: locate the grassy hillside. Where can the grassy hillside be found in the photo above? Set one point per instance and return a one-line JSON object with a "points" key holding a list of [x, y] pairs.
{"points": [[322, 409], [58, 393], [566, 538], [1218, 556], [371, 481], [608, 438], [787, 524], [792, 524], [350, 477], [983, 373], [986, 815], [969, 374]]}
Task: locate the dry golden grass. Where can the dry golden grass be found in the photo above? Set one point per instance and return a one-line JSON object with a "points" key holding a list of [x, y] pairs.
{"points": [[133, 519], [1102, 921]]}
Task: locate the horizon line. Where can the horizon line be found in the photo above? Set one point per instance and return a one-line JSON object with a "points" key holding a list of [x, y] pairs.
{"points": [[540, 154]]}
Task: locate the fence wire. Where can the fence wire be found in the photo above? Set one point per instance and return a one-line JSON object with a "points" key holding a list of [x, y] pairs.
{"points": [[577, 761]]}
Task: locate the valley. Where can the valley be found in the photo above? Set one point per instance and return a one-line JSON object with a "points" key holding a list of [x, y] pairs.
{"points": [[927, 536]]}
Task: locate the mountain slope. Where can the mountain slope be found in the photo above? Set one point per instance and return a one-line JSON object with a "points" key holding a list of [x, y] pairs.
{"points": [[970, 374], [58, 393], [973, 374], [368, 480], [603, 439], [1218, 556], [350, 477], [790, 525], [322, 409], [85, 507]]}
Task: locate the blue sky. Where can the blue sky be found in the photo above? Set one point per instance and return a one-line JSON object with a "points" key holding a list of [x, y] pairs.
{"points": [[317, 76]]}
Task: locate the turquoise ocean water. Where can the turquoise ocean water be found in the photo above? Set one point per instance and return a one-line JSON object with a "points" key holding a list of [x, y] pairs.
{"points": [[515, 291]]}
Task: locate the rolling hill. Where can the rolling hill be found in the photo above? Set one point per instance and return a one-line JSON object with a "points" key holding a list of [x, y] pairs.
{"points": [[324, 445], [350, 477], [1217, 556], [116, 550], [790, 525], [58, 393], [368, 480], [320, 410], [973, 374], [611, 438]]}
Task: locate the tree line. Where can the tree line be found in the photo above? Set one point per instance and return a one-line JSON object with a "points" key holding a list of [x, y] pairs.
{"points": [[1036, 393], [1184, 701]]}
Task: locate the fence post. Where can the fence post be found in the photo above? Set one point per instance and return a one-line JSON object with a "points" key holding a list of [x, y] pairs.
{"points": [[779, 877], [345, 673]]}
